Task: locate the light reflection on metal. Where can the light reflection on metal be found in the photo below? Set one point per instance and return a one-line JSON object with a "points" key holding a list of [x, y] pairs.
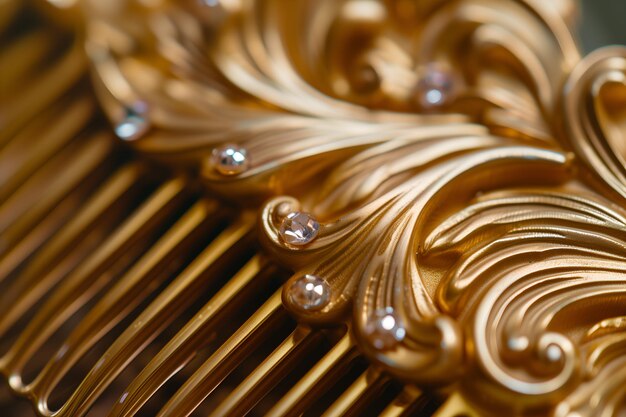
{"points": [[481, 212]]}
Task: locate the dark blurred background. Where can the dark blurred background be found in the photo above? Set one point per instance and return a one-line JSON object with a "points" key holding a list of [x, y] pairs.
{"points": [[603, 23]]}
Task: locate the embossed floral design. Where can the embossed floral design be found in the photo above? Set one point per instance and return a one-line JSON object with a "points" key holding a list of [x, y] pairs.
{"points": [[490, 225]]}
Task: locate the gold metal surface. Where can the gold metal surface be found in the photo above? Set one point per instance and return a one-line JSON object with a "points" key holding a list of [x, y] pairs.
{"points": [[488, 222]]}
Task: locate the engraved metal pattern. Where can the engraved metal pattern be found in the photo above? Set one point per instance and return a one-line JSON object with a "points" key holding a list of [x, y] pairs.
{"points": [[486, 232]]}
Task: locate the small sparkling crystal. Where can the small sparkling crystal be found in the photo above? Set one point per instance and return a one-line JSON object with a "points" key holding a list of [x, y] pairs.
{"points": [[518, 343], [436, 87], [384, 329], [230, 159], [554, 353], [309, 292], [299, 228], [132, 126]]}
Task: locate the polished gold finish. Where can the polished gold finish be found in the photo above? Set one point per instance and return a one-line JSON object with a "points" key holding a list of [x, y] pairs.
{"points": [[301, 396], [485, 222], [178, 350]]}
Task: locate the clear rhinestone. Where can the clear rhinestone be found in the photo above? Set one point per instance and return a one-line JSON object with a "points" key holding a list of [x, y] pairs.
{"points": [[554, 353], [132, 126], [436, 87], [230, 159], [518, 343], [309, 292], [299, 228], [384, 329]]}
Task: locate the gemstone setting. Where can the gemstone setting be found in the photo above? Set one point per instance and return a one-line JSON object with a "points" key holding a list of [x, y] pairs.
{"points": [[309, 292], [230, 159], [384, 329], [436, 87], [299, 228], [133, 125]]}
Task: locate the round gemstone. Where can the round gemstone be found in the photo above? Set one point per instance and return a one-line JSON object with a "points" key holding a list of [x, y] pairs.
{"points": [[132, 126], [436, 87], [518, 343], [309, 292], [384, 329], [230, 159], [554, 353], [299, 228]]}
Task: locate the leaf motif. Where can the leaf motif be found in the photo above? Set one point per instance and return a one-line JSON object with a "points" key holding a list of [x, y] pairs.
{"points": [[324, 92], [516, 285], [367, 256], [593, 117]]}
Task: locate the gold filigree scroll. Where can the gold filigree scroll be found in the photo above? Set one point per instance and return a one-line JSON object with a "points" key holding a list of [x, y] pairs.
{"points": [[488, 222], [369, 254]]}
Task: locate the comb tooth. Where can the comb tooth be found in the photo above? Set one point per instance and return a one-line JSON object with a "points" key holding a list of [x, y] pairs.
{"points": [[124, 296], [20, 57], [42, 91], [410, 401], [184, 344], [37, 277], [227, 247], [317, 381], [293, 349], [49, 186], [225, 359], [16, 164], [18, 254], [355, 398], [80, 286], [45, 136]]}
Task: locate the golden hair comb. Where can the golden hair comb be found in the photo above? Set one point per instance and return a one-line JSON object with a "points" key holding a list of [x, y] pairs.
{"points": [[310, 207]]}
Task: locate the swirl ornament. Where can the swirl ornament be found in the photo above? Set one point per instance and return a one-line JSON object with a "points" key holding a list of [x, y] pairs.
{"points": [[448, 177], [593, 111], [511, 297], [369, 254]]}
